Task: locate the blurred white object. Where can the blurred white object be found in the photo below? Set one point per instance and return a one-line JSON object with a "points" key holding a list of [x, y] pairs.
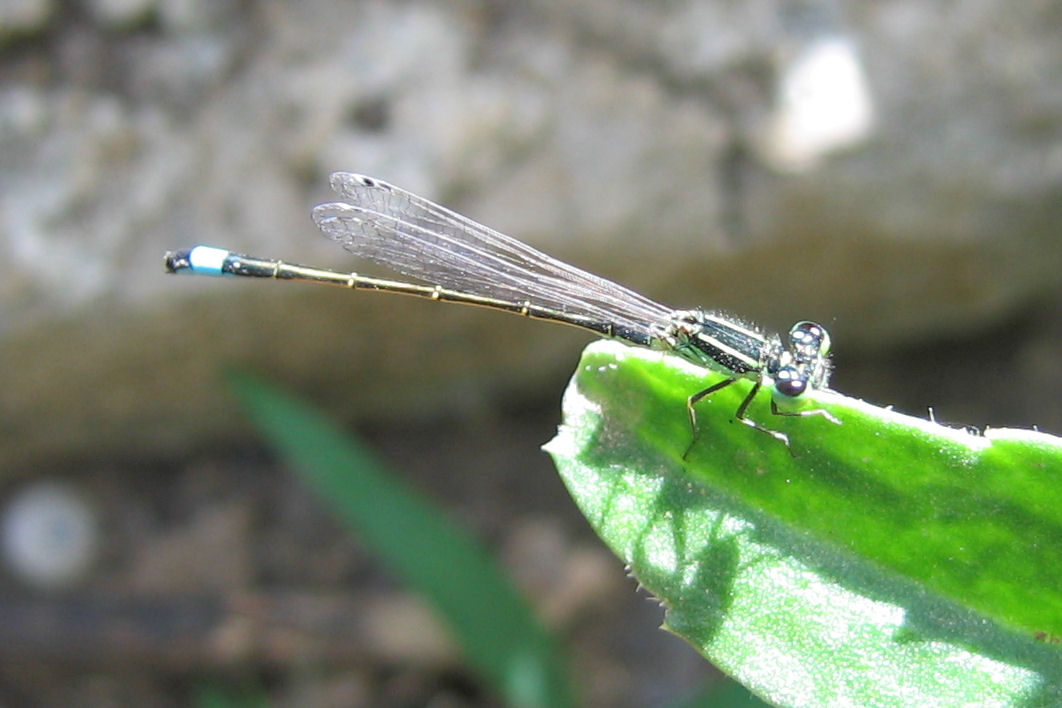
{"points": [[50, 535], [823, 105]]}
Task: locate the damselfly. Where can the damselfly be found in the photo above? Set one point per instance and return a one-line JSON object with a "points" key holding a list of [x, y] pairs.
{"points": [[465, 262]]}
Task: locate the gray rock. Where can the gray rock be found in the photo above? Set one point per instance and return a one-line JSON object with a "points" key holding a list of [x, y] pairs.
{"points": [[24, 17], [891, 170]]}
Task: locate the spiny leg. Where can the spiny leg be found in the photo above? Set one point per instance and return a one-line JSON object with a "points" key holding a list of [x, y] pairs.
{"points": [[800, 414], [693, 401], [740, 414]]}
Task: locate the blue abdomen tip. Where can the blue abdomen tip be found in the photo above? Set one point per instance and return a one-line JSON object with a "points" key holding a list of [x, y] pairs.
{"points": [[207, 260]]}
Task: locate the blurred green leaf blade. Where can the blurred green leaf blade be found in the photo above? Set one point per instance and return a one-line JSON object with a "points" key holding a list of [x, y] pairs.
{"points": [[497, 630]]}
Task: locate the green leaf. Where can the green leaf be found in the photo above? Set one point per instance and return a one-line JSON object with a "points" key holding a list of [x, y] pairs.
{"points": [[882, 561], [723, 693], [498, 631]]}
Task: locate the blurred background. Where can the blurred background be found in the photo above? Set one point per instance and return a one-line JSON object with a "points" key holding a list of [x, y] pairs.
{"points": [[891, 170]]}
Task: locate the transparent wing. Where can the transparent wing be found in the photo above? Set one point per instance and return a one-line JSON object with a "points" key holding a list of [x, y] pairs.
{"points": [[423, 240]]}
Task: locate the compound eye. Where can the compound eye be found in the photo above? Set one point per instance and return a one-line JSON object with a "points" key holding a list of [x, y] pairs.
{"points": [[809, 335], [790, 382]]}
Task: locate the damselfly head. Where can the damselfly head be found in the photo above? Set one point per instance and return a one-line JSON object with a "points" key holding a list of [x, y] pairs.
{"points": [[810, 339], [806, 364]]}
